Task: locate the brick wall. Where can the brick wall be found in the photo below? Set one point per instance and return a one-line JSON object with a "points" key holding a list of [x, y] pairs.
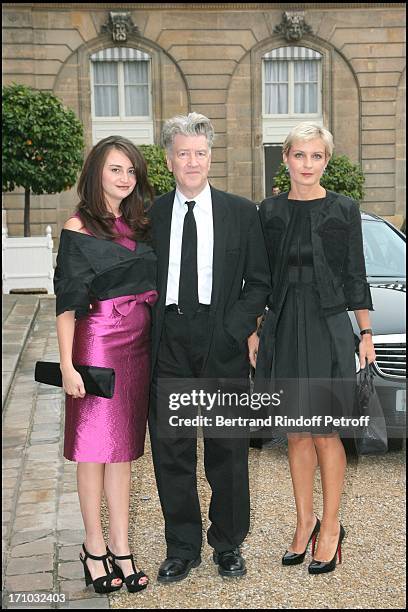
{"points": [[207, 58]]}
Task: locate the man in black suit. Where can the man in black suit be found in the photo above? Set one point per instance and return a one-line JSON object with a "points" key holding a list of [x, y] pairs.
{"points": [[213, 281]]}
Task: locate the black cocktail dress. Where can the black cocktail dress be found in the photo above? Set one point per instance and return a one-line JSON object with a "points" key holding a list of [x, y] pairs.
{"points": [[305, 363]]}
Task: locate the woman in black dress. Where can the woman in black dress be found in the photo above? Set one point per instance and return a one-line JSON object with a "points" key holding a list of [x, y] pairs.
{"points": [[315, 248]]}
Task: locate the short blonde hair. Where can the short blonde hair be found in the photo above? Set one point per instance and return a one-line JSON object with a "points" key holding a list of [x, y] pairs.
{"points": [[308, 131]]}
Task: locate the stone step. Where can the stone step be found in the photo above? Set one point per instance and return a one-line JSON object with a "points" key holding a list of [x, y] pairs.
{"points": [[18, 317]]}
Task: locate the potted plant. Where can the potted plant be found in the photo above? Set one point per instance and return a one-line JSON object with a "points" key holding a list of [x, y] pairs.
{"points": [[42, 153], [160, 178]]}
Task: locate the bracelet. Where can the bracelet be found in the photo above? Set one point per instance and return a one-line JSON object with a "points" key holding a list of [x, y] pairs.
{"points": [[366, 331]]}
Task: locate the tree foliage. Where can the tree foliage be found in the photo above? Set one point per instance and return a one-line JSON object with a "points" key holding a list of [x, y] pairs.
{"points": [[42, 143], [341, 175], [161, 179]]}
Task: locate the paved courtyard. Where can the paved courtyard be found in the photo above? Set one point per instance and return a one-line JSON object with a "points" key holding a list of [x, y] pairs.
{"points": [[42, 525]]}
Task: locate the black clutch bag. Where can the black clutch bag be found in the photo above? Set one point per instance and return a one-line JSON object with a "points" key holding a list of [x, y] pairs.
{"points": [[97, 381]]}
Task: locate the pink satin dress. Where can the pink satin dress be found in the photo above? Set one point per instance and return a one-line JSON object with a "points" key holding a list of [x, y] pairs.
{"points": [[115, 334]]}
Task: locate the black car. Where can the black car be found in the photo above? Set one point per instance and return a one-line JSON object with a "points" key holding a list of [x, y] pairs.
{"points": [[384, 251]]}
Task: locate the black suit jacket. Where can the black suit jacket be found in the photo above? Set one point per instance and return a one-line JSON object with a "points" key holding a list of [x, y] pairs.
{"points": [[241, 279]]}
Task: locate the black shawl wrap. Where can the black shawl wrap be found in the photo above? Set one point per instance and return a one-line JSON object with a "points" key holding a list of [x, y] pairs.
{"points": [[91, 268]]}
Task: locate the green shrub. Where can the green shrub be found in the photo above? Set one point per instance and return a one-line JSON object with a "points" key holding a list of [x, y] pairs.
{"points": [[161, 179], [341, 175], [42, 144]]}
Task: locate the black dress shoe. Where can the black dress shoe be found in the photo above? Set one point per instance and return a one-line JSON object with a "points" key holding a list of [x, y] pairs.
{"points": [[173, 569], [230, 562]]}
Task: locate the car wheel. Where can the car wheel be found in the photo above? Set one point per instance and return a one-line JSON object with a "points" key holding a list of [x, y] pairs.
{"points": [[255, 443], [395, 444], [350, 448]]}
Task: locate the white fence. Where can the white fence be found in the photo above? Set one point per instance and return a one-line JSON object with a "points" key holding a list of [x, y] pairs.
{"points": [[28, 262]]}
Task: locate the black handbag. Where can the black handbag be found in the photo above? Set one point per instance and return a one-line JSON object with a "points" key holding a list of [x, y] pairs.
{"points": [[97, 381], [371, 437]]}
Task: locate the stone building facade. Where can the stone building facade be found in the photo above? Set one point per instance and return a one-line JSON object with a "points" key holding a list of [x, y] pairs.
{"points": [[236, 63]]}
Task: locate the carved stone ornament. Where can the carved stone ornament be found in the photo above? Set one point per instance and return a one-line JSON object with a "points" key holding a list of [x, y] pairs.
{"points": [[293, 25], [120, 25]]}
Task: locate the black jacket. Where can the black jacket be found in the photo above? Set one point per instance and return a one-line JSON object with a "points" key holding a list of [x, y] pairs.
{"points": [[337, 247], [339, 269], [241, 279], [93, 268]]}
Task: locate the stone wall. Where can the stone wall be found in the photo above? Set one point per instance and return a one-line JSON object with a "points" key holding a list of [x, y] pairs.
{"points": [[206, 57]]}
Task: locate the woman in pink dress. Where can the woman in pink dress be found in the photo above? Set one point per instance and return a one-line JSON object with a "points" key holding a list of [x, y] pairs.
{"points": [[105, 283]]}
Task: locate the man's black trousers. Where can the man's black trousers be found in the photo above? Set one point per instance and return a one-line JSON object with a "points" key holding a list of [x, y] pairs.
{"points": [[181, 355]]}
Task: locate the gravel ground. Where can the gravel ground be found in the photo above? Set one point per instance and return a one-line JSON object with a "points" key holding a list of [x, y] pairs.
{"points": [[372, 574]]}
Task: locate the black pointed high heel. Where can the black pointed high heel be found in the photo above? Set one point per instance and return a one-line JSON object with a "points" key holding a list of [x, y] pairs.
{"points": [[131, 581], [292, 558], [103, 584], [322, 567]]}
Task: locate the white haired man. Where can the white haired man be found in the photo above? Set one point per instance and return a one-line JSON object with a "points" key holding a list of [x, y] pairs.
{"points": [[213, 281]]}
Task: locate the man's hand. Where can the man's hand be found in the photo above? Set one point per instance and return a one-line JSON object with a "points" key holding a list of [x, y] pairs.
{"points": [[253, 344]]}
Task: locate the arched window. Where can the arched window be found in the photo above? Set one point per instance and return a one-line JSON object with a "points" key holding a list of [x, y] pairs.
{"points": [[292, 82], [121, 94], [291, 93]]}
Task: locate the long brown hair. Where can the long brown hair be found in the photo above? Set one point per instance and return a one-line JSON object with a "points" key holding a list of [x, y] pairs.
{"points": [[92, 207]]}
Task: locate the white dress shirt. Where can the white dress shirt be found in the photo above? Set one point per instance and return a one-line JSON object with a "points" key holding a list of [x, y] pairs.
{"points": [[205, 241]]}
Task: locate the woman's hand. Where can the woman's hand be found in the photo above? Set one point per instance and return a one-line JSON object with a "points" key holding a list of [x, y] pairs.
{"points": [[366, 350], [72, 382], [253, 344]]}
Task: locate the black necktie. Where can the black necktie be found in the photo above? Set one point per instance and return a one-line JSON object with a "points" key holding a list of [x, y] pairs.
{"points": [[188, 285]]}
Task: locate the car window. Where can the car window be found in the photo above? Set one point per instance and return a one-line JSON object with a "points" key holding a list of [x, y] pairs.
{"points": [[384, 250]]}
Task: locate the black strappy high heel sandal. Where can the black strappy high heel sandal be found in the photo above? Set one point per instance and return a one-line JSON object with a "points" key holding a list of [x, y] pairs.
{"points": [[131, 581], [103, 584]]}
